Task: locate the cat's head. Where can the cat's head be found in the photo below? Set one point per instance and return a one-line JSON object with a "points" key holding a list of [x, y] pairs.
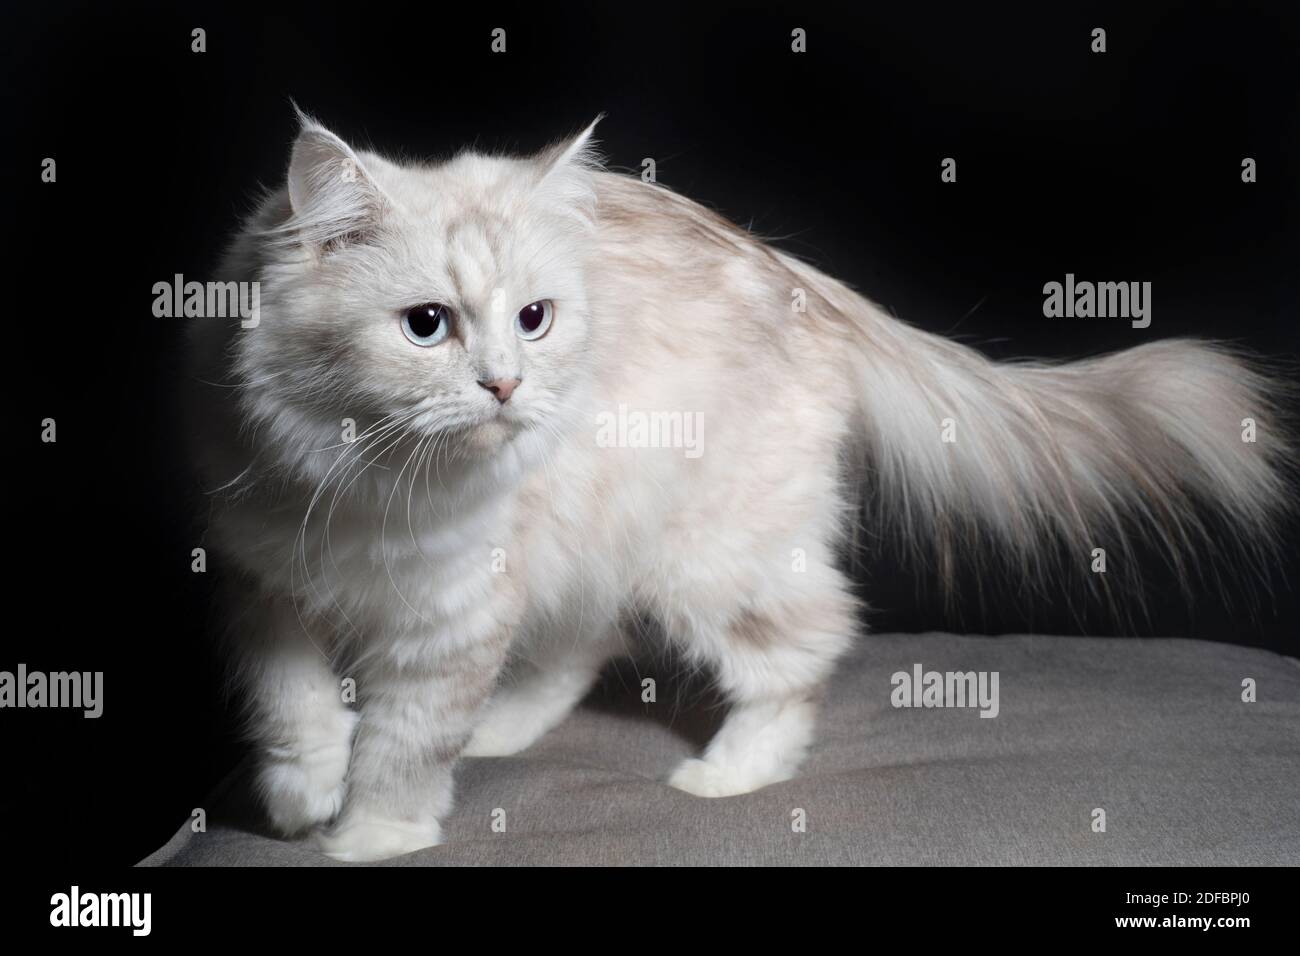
{"points": [[449, 298]]}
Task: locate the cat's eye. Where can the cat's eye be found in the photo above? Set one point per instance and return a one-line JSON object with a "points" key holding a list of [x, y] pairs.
{"points": [[534, 319], [427, 324]]}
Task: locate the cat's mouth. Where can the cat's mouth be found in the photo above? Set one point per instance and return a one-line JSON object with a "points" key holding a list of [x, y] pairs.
{"points": [[508, 413], [490, 428]]}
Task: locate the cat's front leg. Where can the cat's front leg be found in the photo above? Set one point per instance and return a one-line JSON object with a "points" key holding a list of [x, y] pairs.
{"points": [[418, 708], [296, 717]]}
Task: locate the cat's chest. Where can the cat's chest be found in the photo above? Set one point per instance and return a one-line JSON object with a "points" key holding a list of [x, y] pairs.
{"points": [[427, 558], [425, 537]]}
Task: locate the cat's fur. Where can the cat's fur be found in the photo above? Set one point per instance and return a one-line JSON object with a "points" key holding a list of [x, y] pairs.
{"points": [[457, 532]]}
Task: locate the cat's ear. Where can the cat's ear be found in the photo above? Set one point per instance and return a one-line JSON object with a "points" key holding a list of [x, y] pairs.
{"points": [[565, 171], [334, 198], [577, 152]]}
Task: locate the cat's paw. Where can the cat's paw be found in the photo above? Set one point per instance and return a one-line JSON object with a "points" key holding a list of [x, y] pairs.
{"points": [[363, 838], [297, 798], [303, 789], [705, 779]]}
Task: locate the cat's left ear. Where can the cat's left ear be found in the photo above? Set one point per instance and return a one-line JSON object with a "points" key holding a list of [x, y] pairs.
{"points": [[565, 171], [333, 196]]}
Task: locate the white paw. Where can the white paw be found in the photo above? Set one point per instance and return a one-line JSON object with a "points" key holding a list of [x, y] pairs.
{"points": [[364, 838], [705, 779], [300, 793], [304, 789], [296, 798]]}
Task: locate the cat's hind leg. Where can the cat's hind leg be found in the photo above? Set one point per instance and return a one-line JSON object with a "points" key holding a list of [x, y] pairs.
{"points": [[538, 693], [772, 659]]}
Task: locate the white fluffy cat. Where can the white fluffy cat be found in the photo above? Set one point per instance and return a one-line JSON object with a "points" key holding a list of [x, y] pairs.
{"points": [[416, 481]]}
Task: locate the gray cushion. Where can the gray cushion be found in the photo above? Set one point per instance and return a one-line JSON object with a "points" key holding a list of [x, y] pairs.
{"points": [[1152, 731]]}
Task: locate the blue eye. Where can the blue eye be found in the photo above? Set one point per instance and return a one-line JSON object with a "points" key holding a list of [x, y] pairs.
{"points": [[427, 324], [533, 320]]}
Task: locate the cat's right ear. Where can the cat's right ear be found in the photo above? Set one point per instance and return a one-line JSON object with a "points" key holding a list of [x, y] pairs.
{"points": [[334, 199]]}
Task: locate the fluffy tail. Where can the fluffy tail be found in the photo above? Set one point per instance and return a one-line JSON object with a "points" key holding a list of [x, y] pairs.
{"points": [[1175, 444]]}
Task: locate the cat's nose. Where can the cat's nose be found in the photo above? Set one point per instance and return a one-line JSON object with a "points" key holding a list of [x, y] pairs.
{"points": [[501, 388]]}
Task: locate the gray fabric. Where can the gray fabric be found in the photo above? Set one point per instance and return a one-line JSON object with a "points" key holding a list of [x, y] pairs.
{"points": [[1153, 731]]}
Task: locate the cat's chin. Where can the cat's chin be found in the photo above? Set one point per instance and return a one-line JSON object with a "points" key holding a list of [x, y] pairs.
{"points": [[489, 438]]}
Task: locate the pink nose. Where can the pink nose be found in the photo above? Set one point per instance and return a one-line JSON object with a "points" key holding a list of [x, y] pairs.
{"points": [[501, 388]]}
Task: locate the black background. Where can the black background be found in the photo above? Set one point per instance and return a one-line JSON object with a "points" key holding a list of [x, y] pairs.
{"points": [[1119, 166]]}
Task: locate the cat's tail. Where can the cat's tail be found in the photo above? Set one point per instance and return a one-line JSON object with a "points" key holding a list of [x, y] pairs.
{"points": [[1178, 444]]}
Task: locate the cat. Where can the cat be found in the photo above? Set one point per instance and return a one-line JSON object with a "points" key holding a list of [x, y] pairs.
{"points": [[431, 538]]}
